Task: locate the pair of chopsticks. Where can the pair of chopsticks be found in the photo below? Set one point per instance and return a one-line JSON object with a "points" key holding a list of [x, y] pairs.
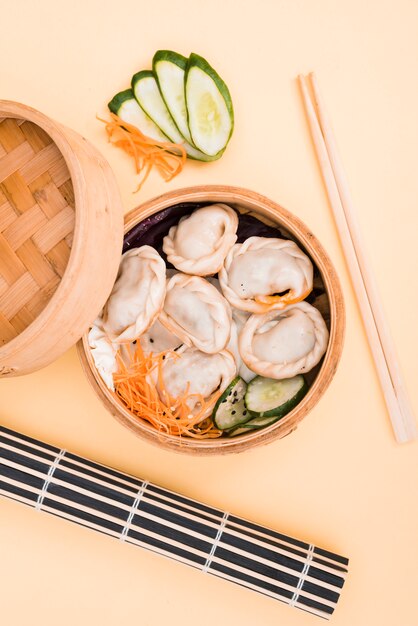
{"points": [[377, 330]]}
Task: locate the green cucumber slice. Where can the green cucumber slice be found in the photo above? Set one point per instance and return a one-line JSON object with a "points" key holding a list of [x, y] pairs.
{"points": [[254, 424], [146, 91], [268, 397], [209, 107], [230, 409], [145, 88], [124, 105], [169, 68]]}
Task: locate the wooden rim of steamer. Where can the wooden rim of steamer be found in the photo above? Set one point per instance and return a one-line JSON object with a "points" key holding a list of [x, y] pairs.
{"points": [[272, 212]]}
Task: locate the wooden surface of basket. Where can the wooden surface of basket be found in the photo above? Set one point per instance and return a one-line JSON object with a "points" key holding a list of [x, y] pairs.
{"points": [[36, 223], [60, 216], [267, 210]]}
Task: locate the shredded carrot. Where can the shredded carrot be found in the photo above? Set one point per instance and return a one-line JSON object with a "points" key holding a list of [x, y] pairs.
{"points": [[168, 158], [287, 298], [172, 415]]}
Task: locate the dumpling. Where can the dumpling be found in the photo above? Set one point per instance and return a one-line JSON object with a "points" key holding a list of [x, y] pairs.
{"points": [[257, 272], [103, 352], [137, 296], [200, 242], [195, 311], [281, 344], [196, 372], [158, 339]]}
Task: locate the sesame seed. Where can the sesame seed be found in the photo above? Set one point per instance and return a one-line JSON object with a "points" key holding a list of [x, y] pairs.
{"points": [[233, 412]]}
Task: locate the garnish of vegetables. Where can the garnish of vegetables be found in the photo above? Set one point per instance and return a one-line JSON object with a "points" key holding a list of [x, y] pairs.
{"points": [[167, 158], [181, 108], [135, 387]]}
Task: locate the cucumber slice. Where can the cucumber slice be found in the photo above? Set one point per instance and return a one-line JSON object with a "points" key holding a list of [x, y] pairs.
{"points": [[169, 69], [148, 95], [209, 107], [268, 397], [254, 424], [146, 91], [230, 409], [261, 422], [124, 105]]}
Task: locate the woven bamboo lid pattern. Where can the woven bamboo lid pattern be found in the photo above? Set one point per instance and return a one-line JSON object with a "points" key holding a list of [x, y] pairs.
{"points": [[36, 223], [61, 232]]}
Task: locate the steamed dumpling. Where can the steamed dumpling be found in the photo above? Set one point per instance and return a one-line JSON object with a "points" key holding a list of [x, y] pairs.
{"points": [[137, 296], [197, 373], [197, 313], [257, 272], [200, 242], [281, 344], [103, 352]]}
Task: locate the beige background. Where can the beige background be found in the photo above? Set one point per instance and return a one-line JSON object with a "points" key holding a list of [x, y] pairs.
{"points": [[340, 481]]}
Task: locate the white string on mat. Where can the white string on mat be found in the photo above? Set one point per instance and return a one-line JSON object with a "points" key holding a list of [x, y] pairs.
{"points": [[133, 510], [215, 543], [303, 575], [48, 479]]}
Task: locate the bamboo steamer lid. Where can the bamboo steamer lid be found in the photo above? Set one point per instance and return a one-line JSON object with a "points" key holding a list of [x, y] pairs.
{"points": [[61, 216]]}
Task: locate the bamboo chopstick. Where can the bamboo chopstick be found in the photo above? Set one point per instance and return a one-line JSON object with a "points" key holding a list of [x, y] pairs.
{"points": [[376, 326]]}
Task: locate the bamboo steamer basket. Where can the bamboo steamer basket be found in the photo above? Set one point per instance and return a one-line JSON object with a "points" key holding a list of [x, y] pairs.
{"points": [[60, 218], [266, 210]]}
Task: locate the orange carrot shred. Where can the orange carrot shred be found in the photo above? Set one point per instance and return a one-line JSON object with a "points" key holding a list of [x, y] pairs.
{"points": [[168, 158], [135, 387]]}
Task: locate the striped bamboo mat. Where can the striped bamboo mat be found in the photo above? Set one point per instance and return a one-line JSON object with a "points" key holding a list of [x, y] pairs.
{"points": [[138, 512]]}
